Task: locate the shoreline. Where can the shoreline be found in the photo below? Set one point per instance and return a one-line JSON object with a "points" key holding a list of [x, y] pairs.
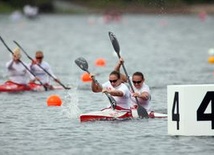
{"points": [[66, 7], [193, 9], [208, 8], [77, 8]]}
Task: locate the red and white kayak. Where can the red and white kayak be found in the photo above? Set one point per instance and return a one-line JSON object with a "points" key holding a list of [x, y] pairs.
{"points": [[110, 115], [152, 114], [10, 86]]}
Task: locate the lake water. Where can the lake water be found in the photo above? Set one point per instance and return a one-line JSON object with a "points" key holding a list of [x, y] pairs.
{"points": [[168, 49]]}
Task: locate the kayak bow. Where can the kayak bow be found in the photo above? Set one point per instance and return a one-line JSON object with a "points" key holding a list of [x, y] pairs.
{"points": [[10, 86]]}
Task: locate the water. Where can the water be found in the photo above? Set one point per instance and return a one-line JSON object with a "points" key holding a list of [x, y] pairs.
{"points": [[168, 49]]}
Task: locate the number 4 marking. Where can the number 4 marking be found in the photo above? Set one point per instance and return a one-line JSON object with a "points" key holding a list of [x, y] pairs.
{"points": [[201, 115], [176, 116]]}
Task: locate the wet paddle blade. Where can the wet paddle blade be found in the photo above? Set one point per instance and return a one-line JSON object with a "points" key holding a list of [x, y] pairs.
{"points": [[114, 42], [142, 113], [111, 100], [82, 63]]}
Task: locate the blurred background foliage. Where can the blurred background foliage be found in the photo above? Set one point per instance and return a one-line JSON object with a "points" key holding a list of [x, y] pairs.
{"points": [[9, 5], [48, 5]]}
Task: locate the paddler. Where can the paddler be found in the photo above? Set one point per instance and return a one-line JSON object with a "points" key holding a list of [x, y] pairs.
{"points": [[39, 72], [141, 89], [17, 70], [116, 89]]}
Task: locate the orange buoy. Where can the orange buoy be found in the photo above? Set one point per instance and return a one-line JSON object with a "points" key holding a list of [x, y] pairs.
{"points": [[100, 62], [211, 59], [86, 77], [54, 100]]}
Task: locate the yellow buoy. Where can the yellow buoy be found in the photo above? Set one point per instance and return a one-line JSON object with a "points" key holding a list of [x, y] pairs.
{"points": [[211, 59]]}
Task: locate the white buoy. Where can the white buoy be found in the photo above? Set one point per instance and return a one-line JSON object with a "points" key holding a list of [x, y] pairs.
{"points": [[211, 55], [211, 51]]}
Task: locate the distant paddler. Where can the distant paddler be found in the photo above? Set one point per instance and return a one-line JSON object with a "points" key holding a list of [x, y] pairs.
{"points": [[17, 72], [40, 69]]}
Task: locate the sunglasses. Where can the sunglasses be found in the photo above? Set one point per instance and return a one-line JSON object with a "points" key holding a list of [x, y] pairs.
{"points": [[113, 81], [39, 57], [138, 82]]}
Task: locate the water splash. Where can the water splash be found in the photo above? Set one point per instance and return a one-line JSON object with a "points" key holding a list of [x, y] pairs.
{"points": [[70, 104]]}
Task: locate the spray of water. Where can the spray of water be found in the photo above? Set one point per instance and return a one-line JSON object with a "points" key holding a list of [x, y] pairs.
{"points": [[70, 104]]}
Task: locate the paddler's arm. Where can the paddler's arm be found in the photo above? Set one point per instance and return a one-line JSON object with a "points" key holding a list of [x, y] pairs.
{"points": [[143, 95], [95, 86], [9, 65], [117, 68], [113, 92]]}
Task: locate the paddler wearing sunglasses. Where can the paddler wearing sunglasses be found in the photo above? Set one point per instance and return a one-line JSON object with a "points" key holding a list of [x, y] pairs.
{"points": [[118, 90], [141, 89], [39, 71]]}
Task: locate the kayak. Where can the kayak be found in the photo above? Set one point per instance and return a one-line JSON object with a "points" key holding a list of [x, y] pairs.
{"points": [[151, 114], [110, 115], [10, 86]]}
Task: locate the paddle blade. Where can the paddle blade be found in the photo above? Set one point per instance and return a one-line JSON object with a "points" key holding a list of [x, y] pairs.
{"points": [[82, 63], [142, 113], [114, 42], [111, 100]]}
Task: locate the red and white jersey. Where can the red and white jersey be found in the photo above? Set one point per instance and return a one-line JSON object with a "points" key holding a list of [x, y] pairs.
{"points": [[144, 103], [124, 101]]}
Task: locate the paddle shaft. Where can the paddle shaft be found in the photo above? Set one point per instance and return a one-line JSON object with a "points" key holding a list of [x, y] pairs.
{"points": [[111, 99], [83, 64], [129, 81], [40, 66], [22, 63]]}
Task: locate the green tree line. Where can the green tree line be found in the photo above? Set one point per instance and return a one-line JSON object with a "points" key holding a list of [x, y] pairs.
{"points": [[47, 5]]}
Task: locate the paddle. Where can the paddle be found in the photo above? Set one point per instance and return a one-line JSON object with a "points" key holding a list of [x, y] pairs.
{"points": [[83, 64], [41, 66], [142, 113], [22, 63]]}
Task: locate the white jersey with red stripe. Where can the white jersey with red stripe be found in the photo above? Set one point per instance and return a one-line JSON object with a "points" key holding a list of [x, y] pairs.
{"points": [[144, 103], [124, 101]]}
